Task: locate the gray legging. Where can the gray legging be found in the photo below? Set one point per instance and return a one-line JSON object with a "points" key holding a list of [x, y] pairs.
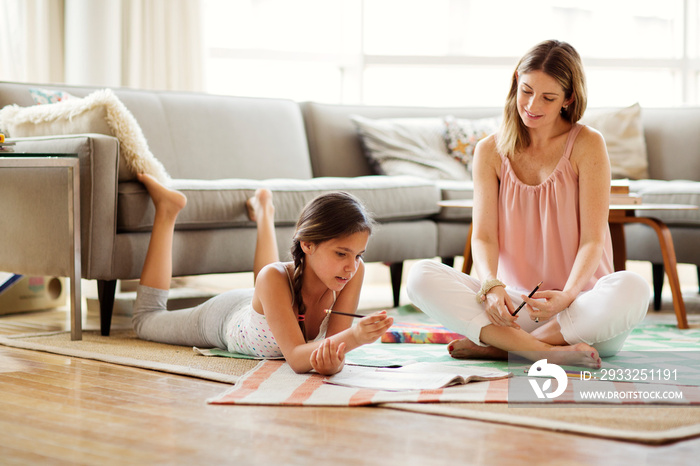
{"points": [[203, 325]]}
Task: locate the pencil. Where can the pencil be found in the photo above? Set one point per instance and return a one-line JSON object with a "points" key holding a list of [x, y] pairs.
{"points": [[529, 296], [331, 311], [572, 375]]}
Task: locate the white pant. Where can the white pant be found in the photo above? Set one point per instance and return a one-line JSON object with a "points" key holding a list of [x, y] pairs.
{"points": [[602, 317]]}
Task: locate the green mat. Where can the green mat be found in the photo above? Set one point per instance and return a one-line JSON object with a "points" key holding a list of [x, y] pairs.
{"points": [[662, 337], [647, 336]]}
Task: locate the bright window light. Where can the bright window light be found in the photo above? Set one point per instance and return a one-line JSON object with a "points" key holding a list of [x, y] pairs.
{"points": [[447, 52]]}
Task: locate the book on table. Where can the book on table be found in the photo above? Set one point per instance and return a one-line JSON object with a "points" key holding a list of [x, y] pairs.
{"points": [[625, 199], [417, 376], [621, 186], [620, 193]]}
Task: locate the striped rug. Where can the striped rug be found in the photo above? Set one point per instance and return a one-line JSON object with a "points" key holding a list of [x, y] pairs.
{"points": [[275, 383]]}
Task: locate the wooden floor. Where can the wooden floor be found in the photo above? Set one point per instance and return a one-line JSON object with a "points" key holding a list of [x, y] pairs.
{"points": [[61, 410]]}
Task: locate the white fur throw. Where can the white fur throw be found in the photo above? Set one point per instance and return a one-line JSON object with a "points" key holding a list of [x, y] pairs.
{"points": [[100, 112]]}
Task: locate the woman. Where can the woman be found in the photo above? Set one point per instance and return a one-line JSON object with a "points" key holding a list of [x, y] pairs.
{"points": [[285, 314], [541, 199]]}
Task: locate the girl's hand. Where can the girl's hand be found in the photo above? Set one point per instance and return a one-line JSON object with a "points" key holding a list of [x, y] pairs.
{"points": [[546, 304], [328, 358], [372, 327], [499, 308]]}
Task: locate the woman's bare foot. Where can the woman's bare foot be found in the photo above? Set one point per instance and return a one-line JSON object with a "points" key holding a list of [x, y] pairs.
{"points": [[579, 354], [260, 205], [466, 349], [166, 200]]}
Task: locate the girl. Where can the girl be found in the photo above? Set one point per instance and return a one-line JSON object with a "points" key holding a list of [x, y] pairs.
{"points": [[541, 198], [285, 314]]}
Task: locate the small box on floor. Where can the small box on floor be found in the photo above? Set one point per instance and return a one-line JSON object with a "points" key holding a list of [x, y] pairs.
{"points": [[21, 293], [414, 332]]}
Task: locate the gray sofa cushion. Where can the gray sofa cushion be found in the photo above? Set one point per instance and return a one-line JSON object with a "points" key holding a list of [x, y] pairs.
{"points": [[221, 203], [670, 192]]}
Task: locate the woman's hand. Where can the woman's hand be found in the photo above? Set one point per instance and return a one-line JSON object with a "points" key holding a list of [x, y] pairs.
{"points": [[499, 308], [546, 304], [371, 327], [328, 358]]}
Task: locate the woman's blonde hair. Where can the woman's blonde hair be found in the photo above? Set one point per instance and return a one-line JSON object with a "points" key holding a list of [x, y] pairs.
{"points": [[328, 216], [563, 63]]}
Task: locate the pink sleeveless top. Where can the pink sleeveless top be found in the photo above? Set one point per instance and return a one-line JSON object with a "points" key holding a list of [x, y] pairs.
{"points": [[538, 227]]}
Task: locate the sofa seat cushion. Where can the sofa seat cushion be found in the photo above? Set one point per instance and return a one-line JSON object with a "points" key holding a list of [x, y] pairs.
{"points": [[221, 203], [670, 192]]}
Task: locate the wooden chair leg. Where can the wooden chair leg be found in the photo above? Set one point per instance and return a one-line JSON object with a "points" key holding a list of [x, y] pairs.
{"points": [[468, 260], [105, 293], [657, 272], [396, 272], [670, 265]]}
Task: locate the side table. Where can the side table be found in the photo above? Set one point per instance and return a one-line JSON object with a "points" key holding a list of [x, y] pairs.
{"points": [[620, 215], [69, 256], [630, 213]]}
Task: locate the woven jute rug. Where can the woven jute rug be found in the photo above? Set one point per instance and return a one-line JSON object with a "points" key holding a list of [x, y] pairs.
{"points": [[646, 424], [124, 348]]}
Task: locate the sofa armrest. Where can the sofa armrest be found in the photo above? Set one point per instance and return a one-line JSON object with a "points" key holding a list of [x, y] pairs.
{"points": [[99, 170]]}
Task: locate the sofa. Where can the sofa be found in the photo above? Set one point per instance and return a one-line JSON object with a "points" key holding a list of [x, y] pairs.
{"points": [[219, 149]]}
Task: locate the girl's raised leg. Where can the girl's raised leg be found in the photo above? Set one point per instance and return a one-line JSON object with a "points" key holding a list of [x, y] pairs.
{"points": [[158, 266], [262, 211]]}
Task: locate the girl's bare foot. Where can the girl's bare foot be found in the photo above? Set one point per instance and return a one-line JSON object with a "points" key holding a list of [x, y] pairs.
{"points": [[166, 200], [260, 205], [466, 349]]}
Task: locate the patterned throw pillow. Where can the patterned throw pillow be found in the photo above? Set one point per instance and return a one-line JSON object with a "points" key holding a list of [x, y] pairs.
{"points": [[48, 96], [461, 136]]}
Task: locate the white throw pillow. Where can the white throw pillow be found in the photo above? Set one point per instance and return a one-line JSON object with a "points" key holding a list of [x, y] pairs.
{"points": [[409, 146], [100, 112], [623, 132]]}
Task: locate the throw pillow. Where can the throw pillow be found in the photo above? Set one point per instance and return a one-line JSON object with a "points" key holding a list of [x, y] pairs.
{"points": [[623, 132], [49, 96], [461, 136], [408, 146], [100, 112]]}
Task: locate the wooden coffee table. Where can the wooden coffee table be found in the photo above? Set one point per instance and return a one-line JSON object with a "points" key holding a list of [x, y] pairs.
{"points": [[618, 217]]}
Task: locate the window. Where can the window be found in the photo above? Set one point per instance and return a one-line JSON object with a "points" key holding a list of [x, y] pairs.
{"points": [[447, 52]]}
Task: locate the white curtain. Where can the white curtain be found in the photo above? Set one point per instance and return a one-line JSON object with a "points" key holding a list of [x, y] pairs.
{"points": [[162, 44], [31, 40], [159, 43]]}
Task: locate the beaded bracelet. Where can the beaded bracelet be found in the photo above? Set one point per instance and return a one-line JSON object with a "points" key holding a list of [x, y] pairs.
{"points": [[486, 287]]}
